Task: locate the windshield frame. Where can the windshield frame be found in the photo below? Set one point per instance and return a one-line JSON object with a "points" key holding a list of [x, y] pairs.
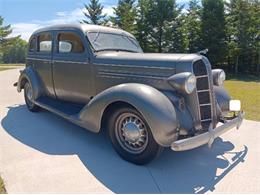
{"points": [[131, 39]]}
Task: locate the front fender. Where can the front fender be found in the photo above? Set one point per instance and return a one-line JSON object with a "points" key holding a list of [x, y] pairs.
{"points": [[28, 74], [155, 107], [222, 98]]}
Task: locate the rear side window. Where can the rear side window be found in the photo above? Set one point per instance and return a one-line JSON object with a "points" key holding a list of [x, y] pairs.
{"points": [[44, 43], [70, 43], [32, 44]]}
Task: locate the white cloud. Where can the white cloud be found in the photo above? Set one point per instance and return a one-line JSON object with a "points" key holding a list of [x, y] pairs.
{"points": [[108, 10], [24, 29], [61, 14], [62, 17]]}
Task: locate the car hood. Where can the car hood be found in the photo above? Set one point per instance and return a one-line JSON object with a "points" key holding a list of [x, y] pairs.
{"points": [[144, 59]]}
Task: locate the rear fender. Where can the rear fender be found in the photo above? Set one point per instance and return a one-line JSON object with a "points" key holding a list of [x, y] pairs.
{"points": [[28, 74], [154, 106]]}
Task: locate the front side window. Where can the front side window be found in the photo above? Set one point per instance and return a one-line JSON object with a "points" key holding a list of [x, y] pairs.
{"points": [[102, 41], [44, 43], [70, 43]]}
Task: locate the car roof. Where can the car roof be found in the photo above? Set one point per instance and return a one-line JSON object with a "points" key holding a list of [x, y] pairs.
{"points": [[85, 28]]}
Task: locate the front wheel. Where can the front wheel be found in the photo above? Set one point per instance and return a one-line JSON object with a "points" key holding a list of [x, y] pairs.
{"points": [[29, 97], [131, 136]]}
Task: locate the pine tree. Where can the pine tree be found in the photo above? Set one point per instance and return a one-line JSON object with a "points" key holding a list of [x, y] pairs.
{"points": [[192, 25], [5, 40], [177, 34], [142, 25], [125, 15], [160, 14], [255, 34], [94, 13], [5, 31], [213, 30], [243, 35]]}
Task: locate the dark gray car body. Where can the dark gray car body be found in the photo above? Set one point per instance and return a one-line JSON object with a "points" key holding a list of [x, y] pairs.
{"points": [[95, 82]]}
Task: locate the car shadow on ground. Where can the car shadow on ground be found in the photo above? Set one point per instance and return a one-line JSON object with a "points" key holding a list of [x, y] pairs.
{"points": [[192, 171]]}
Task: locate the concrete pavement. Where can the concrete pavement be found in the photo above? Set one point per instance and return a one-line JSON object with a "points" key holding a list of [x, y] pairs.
{"points": [[43, 153]]}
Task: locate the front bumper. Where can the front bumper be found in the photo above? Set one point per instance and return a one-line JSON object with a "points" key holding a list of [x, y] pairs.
{"points": [[208, 137]]}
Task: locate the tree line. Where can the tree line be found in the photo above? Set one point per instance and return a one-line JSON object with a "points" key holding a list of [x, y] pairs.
{"points": [[230, 30], [12, 49]]}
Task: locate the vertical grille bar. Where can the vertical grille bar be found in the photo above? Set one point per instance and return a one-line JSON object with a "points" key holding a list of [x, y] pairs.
{"points": [[203, 92]]}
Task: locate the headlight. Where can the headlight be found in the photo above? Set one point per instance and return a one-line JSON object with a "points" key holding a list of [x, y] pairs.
{"points": [[190, 84], [219, 77], [185, 82]]}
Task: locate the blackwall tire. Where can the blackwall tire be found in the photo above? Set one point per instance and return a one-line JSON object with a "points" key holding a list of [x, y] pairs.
{"points": [[127, 123], [28, 97]]}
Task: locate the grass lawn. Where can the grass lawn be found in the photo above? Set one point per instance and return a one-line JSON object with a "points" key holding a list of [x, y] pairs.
{"points": [[246, 89], [1, 69], [10, 66], [2, 187]]}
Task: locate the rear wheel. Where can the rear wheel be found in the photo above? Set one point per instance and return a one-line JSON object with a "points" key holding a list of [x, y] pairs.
{"points": [[131, 136], [29, 97]]}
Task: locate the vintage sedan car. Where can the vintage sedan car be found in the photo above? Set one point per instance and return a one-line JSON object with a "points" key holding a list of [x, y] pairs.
{"points": [[99, 78]]}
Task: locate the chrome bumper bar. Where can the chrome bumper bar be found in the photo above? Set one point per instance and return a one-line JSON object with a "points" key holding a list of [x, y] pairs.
{"points": [[208, 137]]}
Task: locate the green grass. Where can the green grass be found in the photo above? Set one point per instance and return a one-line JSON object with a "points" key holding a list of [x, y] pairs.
{"points": [[10, 66], [247, 90], [1, 69], [2, 187]]}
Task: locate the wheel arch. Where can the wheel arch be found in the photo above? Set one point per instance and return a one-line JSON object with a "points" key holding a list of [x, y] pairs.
{"points": [[28, 74], [110, 108], [155, 107]]}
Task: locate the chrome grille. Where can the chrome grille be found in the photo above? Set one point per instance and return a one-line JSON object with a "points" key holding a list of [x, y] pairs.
{"points": [[203, 92]]}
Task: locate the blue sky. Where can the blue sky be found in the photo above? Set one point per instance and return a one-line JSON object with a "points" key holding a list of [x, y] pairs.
{"points": [[25, 16]]}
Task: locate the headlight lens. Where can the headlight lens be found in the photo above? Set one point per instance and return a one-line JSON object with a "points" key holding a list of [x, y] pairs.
{"points": [[190, 84], [219, 77]]}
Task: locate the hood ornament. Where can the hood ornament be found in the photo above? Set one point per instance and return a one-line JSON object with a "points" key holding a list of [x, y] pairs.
{"points": [[203, 52]]}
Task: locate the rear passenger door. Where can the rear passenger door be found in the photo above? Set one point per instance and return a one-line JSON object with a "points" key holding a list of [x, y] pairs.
{"points": [[72, 72], [41, 60]]}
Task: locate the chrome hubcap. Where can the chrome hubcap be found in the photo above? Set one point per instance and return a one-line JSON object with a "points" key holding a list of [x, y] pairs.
{"points": [[29, 92], [131, 133]]}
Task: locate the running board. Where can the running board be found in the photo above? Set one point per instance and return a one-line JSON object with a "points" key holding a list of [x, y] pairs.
{"points": [[66, 110]]}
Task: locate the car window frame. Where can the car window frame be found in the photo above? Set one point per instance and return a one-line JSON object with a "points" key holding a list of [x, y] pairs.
{"points": [[112, 33], [38, 45], [33, 37], [82, 38]]}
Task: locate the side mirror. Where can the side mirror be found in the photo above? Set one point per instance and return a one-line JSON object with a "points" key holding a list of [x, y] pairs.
{"points": [[65, 47]]}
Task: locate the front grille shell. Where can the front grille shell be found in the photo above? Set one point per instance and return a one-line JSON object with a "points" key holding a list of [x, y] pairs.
{"points": [[205, 94]]}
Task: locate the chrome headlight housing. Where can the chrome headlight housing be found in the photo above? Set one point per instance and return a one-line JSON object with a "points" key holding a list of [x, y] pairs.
{"points": [[219, 76], [185, 82]]}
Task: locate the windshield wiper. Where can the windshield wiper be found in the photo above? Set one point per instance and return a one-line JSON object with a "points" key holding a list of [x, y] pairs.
{"points": [[96, 37]]}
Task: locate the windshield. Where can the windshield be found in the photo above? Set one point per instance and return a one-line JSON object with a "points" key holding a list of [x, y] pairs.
{"points": [[102, 41]]}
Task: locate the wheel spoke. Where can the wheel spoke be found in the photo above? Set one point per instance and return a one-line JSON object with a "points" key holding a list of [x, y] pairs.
{"points": [[132, 133]]}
